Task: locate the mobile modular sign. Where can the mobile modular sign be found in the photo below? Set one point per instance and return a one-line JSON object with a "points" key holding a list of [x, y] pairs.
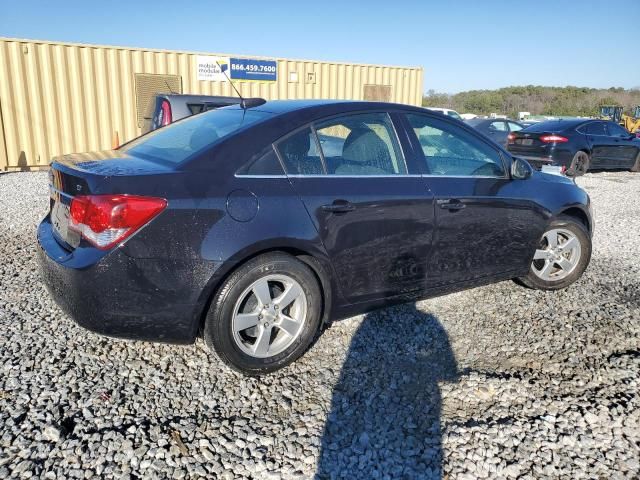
{"points": [[212, 68]]}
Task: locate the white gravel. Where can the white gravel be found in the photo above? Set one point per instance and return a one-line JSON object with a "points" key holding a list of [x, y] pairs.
{"points": [[495, 382]]}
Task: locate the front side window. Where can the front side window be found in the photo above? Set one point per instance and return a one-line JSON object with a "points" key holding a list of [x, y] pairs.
{"points": [[360, 144], [180, 140], [616, 130], [451, 151]]}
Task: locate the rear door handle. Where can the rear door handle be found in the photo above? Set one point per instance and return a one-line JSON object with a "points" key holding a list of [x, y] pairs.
{"points": [[339, 206], [451, 204]]}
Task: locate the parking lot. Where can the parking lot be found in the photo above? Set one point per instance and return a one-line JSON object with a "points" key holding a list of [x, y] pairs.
{"points": [[495, 382]]}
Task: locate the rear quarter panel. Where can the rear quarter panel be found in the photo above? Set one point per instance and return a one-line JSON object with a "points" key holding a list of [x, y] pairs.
{"points": [[214, 223]]}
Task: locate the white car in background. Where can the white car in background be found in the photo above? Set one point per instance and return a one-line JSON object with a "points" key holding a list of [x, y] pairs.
{"points": [[446, 111]]}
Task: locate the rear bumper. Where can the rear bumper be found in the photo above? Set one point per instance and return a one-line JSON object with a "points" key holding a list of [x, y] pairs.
{"points": [[121, 296], [551, 156]]}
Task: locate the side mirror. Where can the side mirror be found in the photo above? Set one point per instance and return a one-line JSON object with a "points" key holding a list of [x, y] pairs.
{"points": [[520, 169]]}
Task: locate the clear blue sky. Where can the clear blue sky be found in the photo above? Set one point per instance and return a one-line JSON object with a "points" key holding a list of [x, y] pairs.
{"points": [[461, 45]]}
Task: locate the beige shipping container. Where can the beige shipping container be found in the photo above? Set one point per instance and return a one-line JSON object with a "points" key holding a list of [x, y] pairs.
{"points": [[58, 98]]}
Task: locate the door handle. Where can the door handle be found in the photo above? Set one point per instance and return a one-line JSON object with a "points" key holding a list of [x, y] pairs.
{"points": [[339, 206], [452, 205]]}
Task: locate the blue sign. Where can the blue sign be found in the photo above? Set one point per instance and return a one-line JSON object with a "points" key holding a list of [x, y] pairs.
{"points": [[258, 70]]}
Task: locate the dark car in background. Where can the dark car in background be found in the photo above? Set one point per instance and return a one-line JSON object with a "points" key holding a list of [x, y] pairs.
{"points": [[254, 227], [577, 145], [497, 129], [164, 109]]}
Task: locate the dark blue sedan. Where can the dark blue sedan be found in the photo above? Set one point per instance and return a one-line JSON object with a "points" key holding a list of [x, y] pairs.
{"points": [[577, 145], [255, 227]]}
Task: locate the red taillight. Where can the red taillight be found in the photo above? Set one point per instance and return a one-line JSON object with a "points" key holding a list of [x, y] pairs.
{"points": [[553, 139], [511, 137], [105, 220], [165, 118]]}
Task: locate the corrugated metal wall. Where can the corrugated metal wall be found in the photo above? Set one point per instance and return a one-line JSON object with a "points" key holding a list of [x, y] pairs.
{"points": [[58, 98]]}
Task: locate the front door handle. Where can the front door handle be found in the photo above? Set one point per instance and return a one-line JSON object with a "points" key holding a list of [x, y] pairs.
{"points": [[449, 204], [339, 206]]}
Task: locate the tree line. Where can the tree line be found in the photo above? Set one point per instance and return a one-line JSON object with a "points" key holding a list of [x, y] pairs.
{"points": [[538, 100]]}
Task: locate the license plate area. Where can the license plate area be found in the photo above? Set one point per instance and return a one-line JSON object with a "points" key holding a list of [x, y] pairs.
{"points": [[60, 220], [524, 141]]}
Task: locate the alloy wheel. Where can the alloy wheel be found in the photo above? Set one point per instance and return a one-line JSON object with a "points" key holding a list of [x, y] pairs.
{"points": [[557, 256], [269, 316]]}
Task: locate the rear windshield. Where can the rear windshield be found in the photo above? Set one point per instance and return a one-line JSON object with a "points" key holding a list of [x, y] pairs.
{"points": [[180, 140], [552, 126]]}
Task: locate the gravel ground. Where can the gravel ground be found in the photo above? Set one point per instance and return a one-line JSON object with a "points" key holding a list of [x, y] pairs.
{"points": [[495, 382]]}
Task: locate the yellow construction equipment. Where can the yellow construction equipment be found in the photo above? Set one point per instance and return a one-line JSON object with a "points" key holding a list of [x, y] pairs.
{"points": [[631, 123], [611, 112]]}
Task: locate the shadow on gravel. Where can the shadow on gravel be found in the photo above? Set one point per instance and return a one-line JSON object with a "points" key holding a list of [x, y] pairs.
{"points": [[385, 412]]}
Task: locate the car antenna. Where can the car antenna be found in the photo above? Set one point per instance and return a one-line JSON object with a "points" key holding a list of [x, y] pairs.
{"points": [[169, 87], [244, 102]]}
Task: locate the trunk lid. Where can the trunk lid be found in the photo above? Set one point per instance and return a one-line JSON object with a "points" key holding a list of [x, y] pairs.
{"points": [[104, 172], [523, 141]]}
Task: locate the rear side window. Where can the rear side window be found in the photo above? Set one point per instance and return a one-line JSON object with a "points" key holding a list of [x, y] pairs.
{"points": [[514, 127], [265, 163], [498, 126], [451, 151], [180, 140], [360, 144], [195, 108], [595, 128], [300, 154]]}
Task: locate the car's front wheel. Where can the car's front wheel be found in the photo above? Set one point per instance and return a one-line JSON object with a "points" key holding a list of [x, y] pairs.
{"points": [[265, 315], [562, 255]]}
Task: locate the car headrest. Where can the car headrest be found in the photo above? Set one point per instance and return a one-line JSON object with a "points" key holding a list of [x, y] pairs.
{"points": [[297, 146], [366, 146]]}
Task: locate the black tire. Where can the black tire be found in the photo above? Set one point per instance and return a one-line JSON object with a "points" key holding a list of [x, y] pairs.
{"points": [[531, 280], [218, 333], [579, 164], [636, 166]]}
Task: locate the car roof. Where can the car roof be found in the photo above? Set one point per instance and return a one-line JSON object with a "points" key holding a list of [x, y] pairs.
{"points": [[290, 106], [478, 121], [557, 125]]}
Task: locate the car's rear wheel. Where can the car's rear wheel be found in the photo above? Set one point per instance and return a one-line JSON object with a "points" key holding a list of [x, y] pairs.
{"points": [[579, 164], [265, 315], [562, 255]]}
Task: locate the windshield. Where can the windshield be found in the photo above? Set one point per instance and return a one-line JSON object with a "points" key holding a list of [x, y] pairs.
{"points": [[178, 141]]}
